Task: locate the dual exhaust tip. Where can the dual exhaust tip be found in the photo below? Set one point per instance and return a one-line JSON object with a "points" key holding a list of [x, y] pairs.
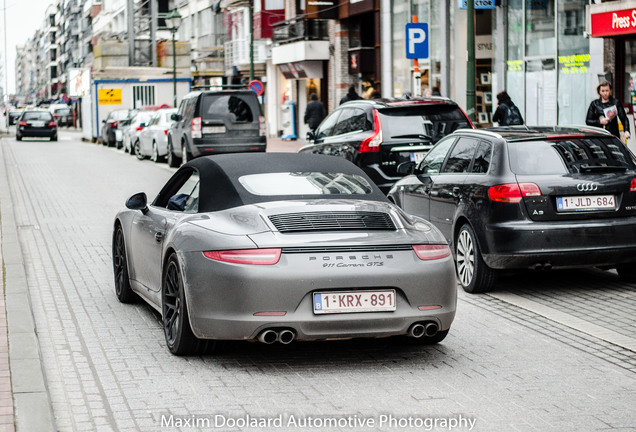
{"points": [[270, 336], [428, 329], [285, 336]]}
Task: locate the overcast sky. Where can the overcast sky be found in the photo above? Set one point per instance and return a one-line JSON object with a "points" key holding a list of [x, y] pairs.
{"points": [[23, 17]]}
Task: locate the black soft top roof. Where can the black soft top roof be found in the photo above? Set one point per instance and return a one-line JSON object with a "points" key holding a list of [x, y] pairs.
{"points": [[220, 189]]}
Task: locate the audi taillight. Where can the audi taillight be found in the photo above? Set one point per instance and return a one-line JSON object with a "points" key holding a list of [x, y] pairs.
{"points": [[431, 252], [372, 144], [52, 123], [196, 127], [262, 126], [513, 192], [246, 256], [138, 128], [632, 186], [23, 123]]}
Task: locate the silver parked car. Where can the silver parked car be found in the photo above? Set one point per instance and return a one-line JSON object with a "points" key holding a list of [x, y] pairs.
{"points": [[153, 139], [130, 132], [281, 246]]}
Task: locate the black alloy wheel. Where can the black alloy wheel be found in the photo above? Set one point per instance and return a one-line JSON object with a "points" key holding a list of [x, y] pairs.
{"points": [[172, 159], [176, 325], [473, 273], [120, 267]]}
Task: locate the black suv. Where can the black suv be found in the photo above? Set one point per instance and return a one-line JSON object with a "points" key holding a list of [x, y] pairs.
{"points": [[210, 122], [379, 134], [527, 198]]}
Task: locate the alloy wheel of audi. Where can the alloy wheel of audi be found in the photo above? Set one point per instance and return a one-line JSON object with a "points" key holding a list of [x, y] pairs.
{"points": [[465, 258]]}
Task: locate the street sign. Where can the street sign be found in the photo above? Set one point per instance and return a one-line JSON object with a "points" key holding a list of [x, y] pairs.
{"points": [[256, 86], [109, 96], [416, 40]]}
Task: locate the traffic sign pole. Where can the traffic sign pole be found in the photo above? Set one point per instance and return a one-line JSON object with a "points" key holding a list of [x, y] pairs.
{"points": [[417, 77]]}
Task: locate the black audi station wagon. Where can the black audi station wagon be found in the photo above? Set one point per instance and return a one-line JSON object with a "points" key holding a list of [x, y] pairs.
{"points": [[527, 198], [379, 134]]}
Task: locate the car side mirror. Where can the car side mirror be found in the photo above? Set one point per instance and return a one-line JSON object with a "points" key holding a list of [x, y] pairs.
{"points": [[406, 168], [138, 201], [175, 117], [311, 136]]}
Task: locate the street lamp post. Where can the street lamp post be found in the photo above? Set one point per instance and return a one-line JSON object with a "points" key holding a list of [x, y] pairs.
{"points": [[173, 22]]}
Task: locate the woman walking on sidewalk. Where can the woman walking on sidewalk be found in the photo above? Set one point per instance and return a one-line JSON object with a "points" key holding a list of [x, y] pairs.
{"points": [[605, 111]]}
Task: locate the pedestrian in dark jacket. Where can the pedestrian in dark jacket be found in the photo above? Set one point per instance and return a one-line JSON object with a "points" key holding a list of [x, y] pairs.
{"points": [[352, 95], [606, 110], [507, 113], [315, 112]]}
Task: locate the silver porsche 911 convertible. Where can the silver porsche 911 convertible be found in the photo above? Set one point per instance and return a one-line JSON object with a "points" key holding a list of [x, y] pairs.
{"points": [[281, 246]]}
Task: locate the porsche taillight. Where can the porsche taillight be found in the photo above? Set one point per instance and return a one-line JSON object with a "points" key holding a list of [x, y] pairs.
{"points": [[431, 251], [372, 144], [246, 256], [196, 127]]}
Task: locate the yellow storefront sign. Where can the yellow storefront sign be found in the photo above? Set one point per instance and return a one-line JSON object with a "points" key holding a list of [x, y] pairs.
{"points": [[109, 96]]}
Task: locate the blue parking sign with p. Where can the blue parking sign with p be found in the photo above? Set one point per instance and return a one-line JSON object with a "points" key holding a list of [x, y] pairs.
{"points": [[417, 40]]}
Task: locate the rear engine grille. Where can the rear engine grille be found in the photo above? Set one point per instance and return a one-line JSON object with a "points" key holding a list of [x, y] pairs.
{"points": [[333, 221]]}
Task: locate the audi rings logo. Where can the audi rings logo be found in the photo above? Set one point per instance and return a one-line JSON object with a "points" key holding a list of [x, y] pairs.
{"points": [[587, 187]]}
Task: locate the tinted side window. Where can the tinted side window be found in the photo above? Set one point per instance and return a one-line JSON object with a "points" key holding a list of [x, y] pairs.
{"points": [[344, 124], [432, 163], [482, 158], [182, 107], [461, 156], [181, 193], [327, 125]]}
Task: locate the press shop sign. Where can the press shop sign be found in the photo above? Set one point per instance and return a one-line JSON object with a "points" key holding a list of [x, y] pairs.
{"points": [[613, 23]]}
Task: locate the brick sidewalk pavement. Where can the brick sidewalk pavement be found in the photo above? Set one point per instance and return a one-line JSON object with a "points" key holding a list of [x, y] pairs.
{"points": [[6, 396]]}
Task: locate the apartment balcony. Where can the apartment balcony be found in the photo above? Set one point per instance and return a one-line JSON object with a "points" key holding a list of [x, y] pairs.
{"points": [[300, 40], [237, 53]]}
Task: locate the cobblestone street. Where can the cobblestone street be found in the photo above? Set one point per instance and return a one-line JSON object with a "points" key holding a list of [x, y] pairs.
{"points": [[543, 352]]}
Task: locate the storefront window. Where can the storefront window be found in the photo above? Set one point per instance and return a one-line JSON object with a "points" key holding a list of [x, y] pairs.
{"points": [[427, 11], [573, 62], [540, 35]]}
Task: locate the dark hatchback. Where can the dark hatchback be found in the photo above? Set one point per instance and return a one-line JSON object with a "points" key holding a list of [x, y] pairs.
{"points": [[36, 123], [527, 198], [379, 134]]}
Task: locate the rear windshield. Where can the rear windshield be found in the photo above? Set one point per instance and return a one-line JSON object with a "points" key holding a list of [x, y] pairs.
{"points": [[227, 107], [63, 111], [434, 121], [569, 156], [305, 183], [37, 115]]}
